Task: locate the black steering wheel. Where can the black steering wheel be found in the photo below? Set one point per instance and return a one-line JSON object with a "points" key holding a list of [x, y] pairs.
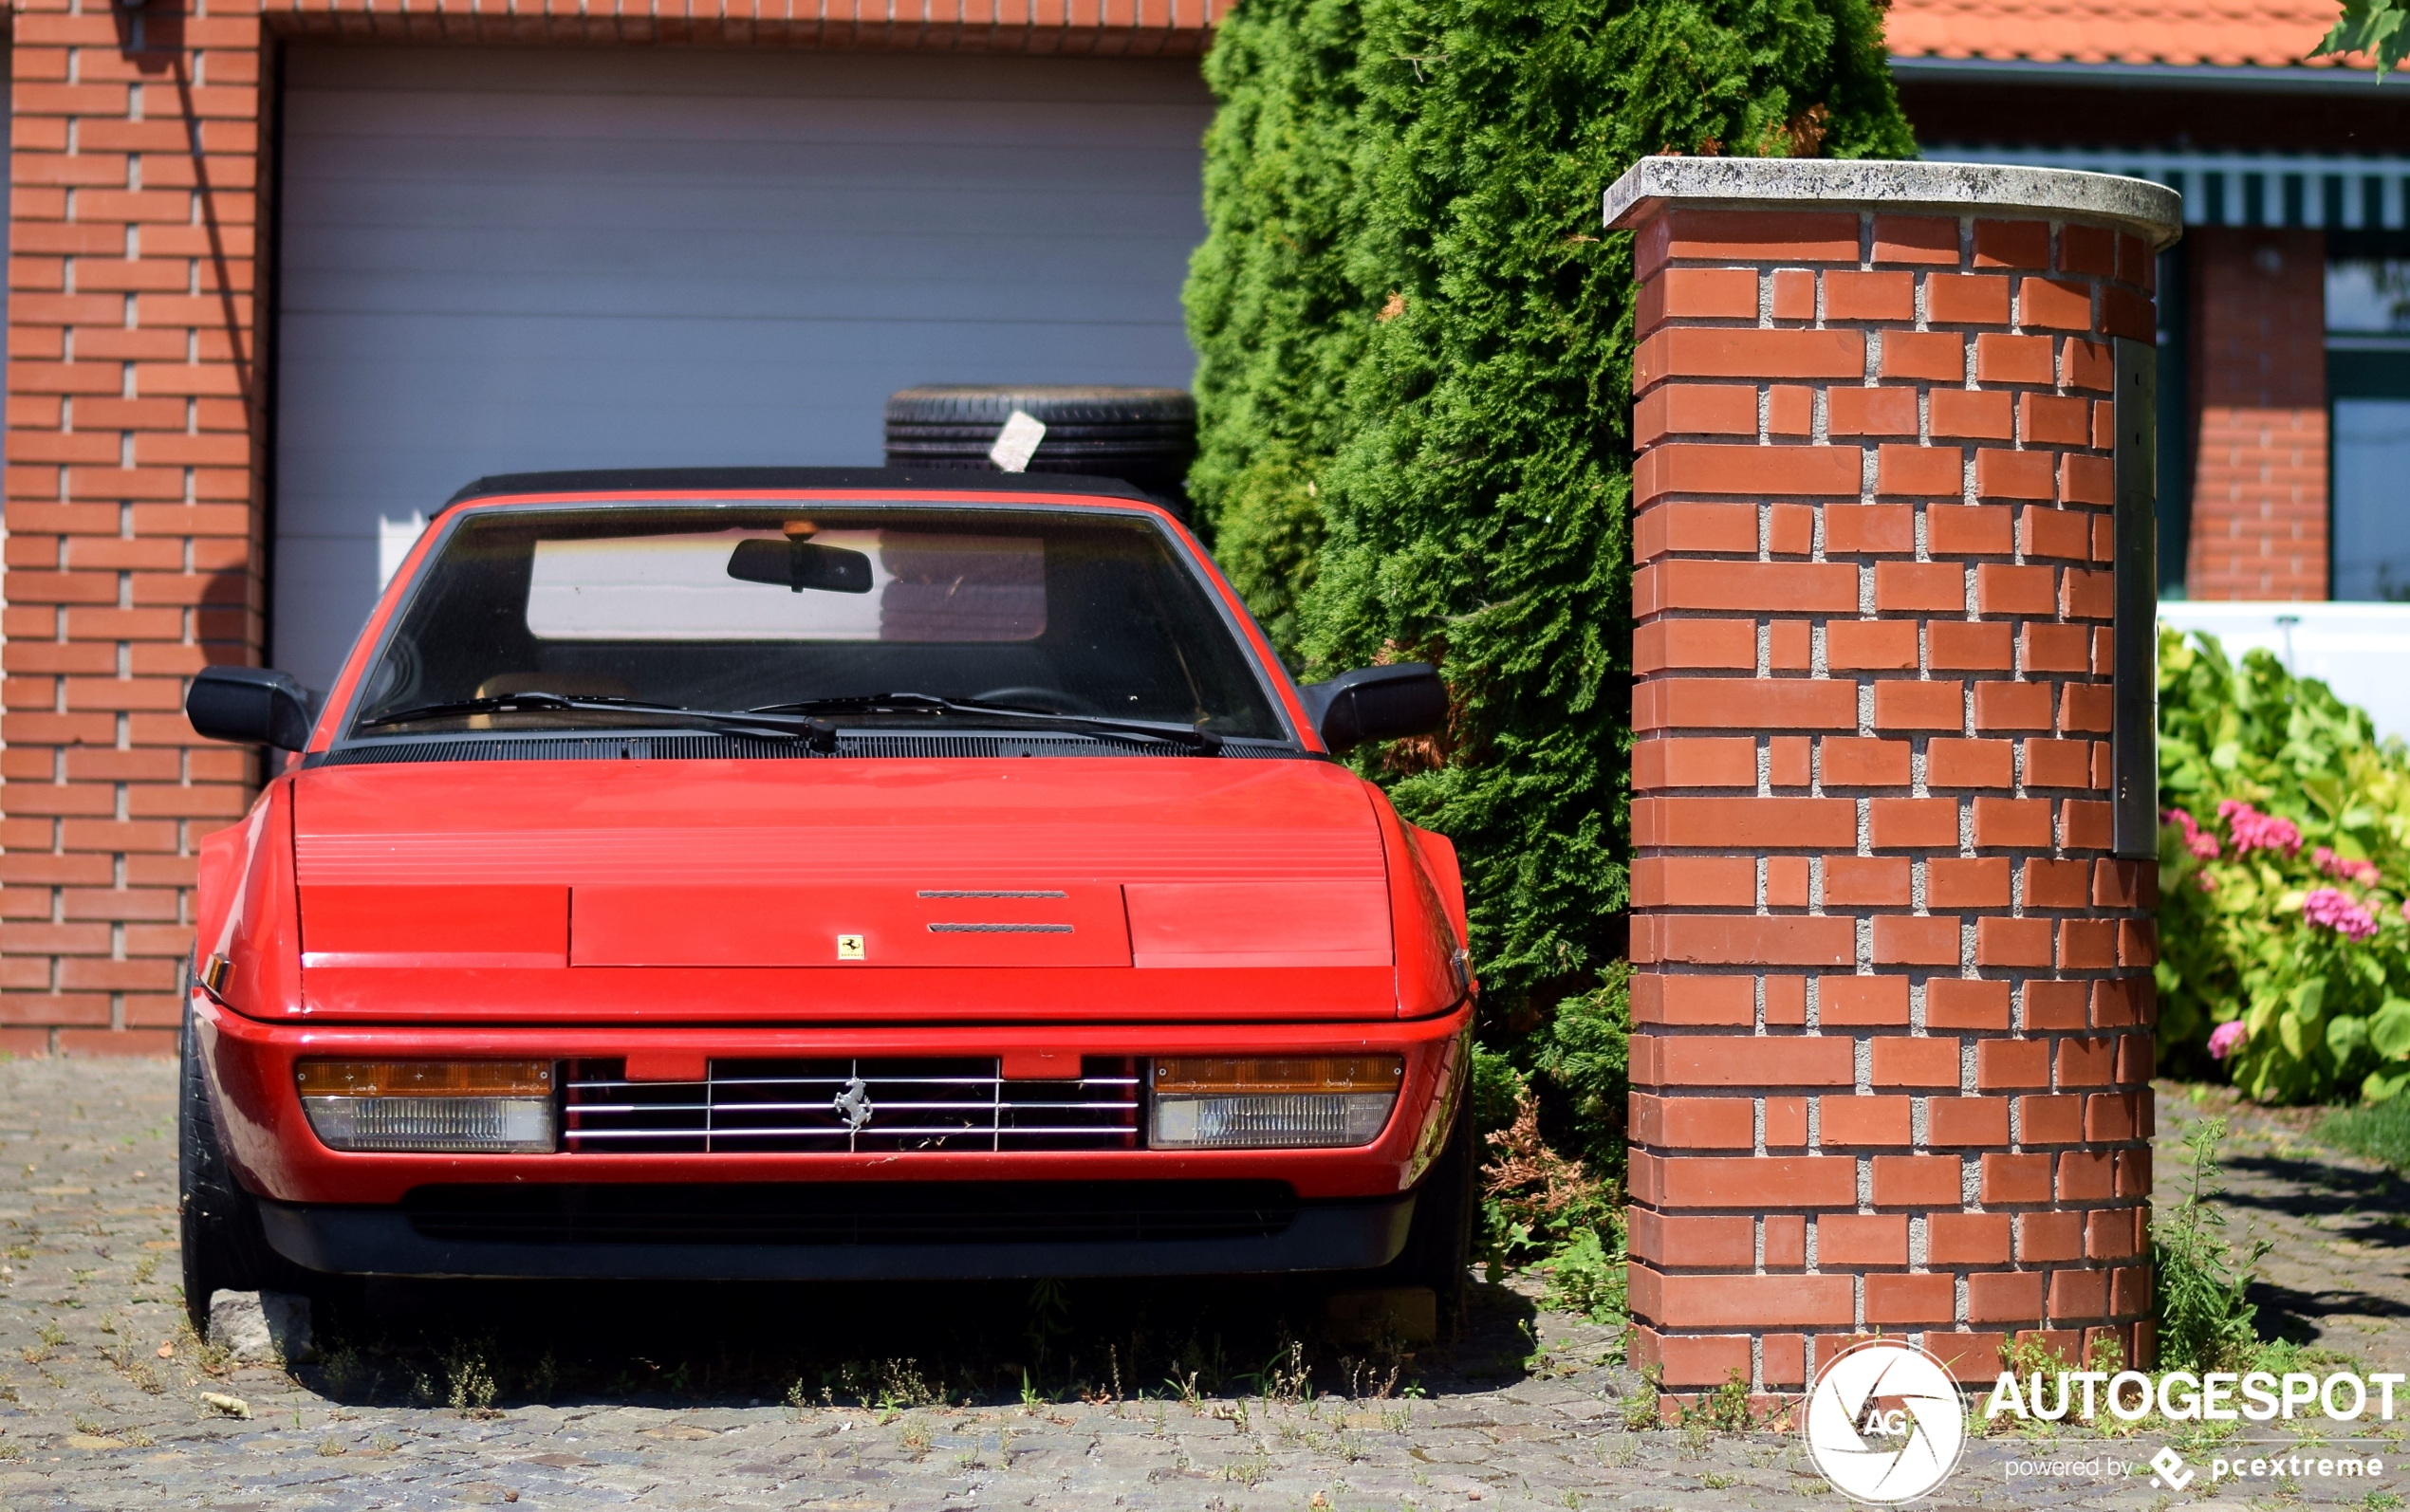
{"points": [[1051, 700]]}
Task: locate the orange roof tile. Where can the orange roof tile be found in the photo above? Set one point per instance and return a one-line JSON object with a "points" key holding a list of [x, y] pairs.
{"points": [[2217, 33]]}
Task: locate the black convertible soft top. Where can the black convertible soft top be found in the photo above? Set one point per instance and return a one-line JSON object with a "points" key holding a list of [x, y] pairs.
{"points": [[646, 480]]}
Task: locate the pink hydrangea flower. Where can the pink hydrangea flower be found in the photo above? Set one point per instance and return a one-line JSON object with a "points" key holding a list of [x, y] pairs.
{"points": [[2334, 910], [2256, 831], [2363, 873], [2227, 1039], [2196, 840]]}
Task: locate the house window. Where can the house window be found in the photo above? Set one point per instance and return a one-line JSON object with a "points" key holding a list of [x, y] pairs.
{"points": [[2369, 383]]}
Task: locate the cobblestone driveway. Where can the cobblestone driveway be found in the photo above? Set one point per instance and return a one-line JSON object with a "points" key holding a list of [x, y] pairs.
{"points": [[677, 1397], [2340, 1274]]}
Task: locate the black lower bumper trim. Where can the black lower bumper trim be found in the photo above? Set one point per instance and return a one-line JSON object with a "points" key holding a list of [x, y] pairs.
{"points": [[825, 1232], [852, 1212]]}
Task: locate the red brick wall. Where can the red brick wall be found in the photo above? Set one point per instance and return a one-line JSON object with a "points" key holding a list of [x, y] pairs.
{"points": [[133, 500], [134, 493], [2259, 480], [1891, 1047]]}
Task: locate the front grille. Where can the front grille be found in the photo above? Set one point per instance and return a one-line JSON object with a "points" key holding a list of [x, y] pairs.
{"points": [[824, 1106], [917, 1212]]}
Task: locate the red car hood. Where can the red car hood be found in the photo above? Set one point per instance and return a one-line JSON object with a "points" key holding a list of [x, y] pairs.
{"points": [[853, 889]]}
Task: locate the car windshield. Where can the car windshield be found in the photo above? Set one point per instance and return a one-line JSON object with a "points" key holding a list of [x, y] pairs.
{"points": [[845, 612]]}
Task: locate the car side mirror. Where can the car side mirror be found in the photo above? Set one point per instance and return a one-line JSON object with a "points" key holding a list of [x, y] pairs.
{"points": [[251, 705], [796, 564], [1377, 703]]}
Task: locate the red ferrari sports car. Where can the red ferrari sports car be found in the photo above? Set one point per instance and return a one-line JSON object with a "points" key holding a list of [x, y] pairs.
{"points": [[761, 873]]}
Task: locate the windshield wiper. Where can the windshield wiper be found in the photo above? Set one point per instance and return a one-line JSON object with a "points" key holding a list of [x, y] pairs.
{"points": [[763, 723], [1187, 736]]}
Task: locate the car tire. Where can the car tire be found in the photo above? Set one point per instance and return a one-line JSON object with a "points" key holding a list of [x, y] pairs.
{"points": [[1438, 1249], [1146, 437], [224, 1249]]}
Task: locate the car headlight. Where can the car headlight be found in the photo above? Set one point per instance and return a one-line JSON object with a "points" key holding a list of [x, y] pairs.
{"points": [[1271, 1103], [432, 1106]]}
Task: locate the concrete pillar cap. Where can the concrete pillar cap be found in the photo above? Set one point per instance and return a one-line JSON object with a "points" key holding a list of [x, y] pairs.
{"points": [[2151, 212]]}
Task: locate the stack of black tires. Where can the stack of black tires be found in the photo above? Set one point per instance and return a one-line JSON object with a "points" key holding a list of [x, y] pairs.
{"points": [[1146, 437]]}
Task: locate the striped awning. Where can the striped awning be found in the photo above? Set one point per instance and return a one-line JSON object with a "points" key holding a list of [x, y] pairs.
{"points": [[2239, 189]]}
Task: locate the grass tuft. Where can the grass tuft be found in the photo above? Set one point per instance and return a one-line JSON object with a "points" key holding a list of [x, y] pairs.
{"points": [[2380, 1130], [2205, 1320]]}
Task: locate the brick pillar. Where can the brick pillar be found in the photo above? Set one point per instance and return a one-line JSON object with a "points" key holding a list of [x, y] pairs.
{"points": [[133, 500], [2259, 478], [1891, 1047]]}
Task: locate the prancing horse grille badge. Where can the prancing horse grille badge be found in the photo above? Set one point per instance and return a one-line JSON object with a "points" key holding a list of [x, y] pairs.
{"points": [[853, 1105]]}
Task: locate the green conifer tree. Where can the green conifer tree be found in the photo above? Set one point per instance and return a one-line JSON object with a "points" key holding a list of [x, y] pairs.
{"points": [[1416, 350], [1268, 296]]}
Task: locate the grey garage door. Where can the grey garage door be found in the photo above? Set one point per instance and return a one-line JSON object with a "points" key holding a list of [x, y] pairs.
{"points": [[498, 260]]}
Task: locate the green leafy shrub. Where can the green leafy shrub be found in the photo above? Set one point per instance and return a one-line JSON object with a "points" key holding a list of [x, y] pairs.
{"points": [[1538, 1208], [1498, 1088], [2205, 1323], [1564, 1216], [1414, 392], [1535, 1202], [1588, 1276], [1582, 1063], [2285, 951]]}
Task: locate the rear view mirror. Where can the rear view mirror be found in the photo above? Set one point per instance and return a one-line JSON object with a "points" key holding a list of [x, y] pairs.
{"points": [[251, 705], [1378, 703], [796, 564]]}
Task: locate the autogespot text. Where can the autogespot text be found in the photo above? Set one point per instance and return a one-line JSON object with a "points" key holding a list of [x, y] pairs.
{"points": [[2219, 1397]]}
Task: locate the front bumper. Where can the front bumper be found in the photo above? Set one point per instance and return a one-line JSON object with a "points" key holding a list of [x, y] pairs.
{"points": [[1358, 1235], [277, 1157]]}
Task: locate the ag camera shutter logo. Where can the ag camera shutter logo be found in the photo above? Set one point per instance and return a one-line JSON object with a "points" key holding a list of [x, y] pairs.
{"points": [[1884, 1422]]}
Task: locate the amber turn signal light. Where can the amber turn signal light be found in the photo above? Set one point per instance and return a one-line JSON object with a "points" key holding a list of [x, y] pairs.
{"points": [[1354, 1072], [493, 1107], [426, 1078], [1286, 1102]]}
